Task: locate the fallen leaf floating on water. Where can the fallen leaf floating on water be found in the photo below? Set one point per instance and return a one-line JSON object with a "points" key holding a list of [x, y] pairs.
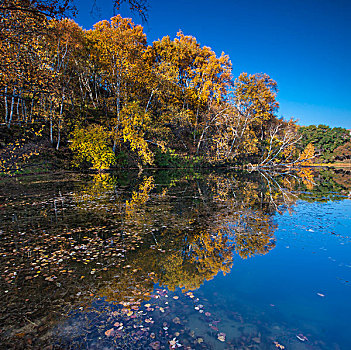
{"points": [[155, 345], [109, 332], [176, 320], [257, 340], [221, 337], [213, 327], [173, 344], [279, 346], [301, 337]]}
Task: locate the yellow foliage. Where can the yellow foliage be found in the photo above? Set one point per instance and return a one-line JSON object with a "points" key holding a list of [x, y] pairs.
{"points": [[139, 197], [134, 122], [307, 155], [92, 144]]}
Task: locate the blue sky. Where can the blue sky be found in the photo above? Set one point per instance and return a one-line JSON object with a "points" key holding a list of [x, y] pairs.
{"points": [[305, 45]]}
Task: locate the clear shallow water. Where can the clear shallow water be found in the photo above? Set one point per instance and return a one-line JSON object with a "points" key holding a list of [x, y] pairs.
{"points": [[303, 285], [172, 260]]}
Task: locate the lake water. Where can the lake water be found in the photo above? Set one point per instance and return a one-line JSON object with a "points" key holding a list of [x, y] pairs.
{"points": [[176, 260]]}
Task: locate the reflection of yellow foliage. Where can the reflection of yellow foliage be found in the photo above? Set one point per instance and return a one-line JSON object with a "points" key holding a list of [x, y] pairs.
{"points": [[221, 189], [253, 231], [164, 192], [289, 183], [95, 196], [254, 235], [140, 197], [213, 253], [306, 176], [189, 247], [129, 288], [206, 255], [174, 274], [97, 188]]}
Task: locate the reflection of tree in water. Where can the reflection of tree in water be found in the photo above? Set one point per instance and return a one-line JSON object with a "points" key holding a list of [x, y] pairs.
{"points": [[189, 239], [117, 239], [98, 196], [102, 195], [199, 256], [97, 188], [306, 176], [330, 184], [139, 197], [247, 213], [254, 234]]}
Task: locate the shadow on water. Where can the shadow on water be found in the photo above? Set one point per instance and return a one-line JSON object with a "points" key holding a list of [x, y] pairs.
{"points": [[114, 260]]}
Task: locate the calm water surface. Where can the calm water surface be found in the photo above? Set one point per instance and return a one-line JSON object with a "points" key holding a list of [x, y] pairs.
{"points": [[172, 260]]}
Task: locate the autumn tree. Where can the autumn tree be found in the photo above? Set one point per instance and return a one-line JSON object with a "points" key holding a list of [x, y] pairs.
{"points": [[173, 96], [255, 102], [23, 70], [307, 155], [246, 126], [199, 78], [117, 49], [91, 144], [66, 47]]}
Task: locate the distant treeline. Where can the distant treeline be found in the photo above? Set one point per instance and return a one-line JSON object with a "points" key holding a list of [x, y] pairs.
{"points": [[330, 144]]}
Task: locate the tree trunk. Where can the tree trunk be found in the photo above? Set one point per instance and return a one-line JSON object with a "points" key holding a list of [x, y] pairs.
{"points": [[59, 135], [148, 102], [51, 139], [17, 109], [11, 111], [31, 111], [24, 111], [6, 109], [59, 124]]}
